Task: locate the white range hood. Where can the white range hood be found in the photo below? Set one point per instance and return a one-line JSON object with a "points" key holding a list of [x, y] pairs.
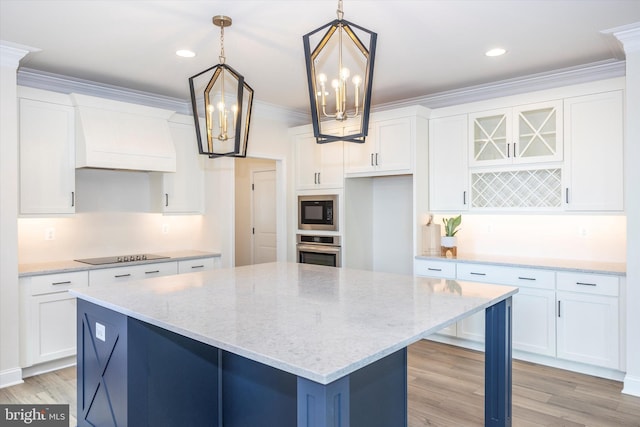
{"points": [[119, 135]]}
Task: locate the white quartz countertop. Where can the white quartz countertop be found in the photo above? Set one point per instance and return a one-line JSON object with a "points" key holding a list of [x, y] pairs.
{"points": [[580, 266], [67, 266], [317, 322]]}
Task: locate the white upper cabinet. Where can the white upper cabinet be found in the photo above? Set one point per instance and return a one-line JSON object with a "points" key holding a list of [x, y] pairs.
{"points": [[183, 191], [594, 174], [388, 149], [448, 180], [47, 162], [524, 134], [318, 166]]}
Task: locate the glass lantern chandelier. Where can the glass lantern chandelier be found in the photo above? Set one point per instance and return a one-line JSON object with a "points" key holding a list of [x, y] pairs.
{"points": [[346, 52], [223, 114]]}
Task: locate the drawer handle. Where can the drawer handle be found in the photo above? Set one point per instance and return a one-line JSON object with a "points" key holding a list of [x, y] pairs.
{"points": [[478, 274], [117, 276], [68, 282], [152, 272], [526, 278], [197, 266], [585, 284], [434, 269]]}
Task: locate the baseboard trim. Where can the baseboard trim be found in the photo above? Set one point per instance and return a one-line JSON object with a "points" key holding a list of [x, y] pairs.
{"points": [[45, 367], [10, 377], [631, 385]]}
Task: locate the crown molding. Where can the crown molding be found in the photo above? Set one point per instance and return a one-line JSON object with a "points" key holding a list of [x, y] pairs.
{"points": [[11, 53], [628, 35], [534, 82], [64, 84]]}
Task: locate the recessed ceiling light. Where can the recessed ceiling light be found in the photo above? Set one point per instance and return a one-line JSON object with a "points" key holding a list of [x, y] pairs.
{"points": [[495, 52], [185, 53]]}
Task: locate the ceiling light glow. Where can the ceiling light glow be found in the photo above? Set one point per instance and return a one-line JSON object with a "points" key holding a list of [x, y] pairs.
{"points": [[498, 51], [184, 53]]}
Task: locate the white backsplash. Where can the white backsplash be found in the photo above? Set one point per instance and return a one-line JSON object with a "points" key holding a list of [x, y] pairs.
{"points": [[579, 237], [87, 235]]}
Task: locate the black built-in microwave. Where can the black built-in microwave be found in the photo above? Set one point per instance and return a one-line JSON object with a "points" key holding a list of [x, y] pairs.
{"points": [[318, 212]]}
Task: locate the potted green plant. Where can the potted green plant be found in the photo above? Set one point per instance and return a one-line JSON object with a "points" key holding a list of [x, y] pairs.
{"points": [[449, 240]]}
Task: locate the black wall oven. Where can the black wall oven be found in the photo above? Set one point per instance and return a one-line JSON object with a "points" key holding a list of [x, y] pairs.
{"points": [[320, 250], [318, 212]]}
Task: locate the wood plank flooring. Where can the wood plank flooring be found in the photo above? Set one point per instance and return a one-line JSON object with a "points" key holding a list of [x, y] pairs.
{"points": [[446, 389]]}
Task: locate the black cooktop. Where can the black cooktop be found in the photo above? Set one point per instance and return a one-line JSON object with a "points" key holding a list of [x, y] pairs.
{"points": [[120, 259]]}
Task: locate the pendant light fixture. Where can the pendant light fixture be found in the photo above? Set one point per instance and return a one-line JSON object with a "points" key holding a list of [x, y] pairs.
{"points": [[345, 52], [223, 114]]}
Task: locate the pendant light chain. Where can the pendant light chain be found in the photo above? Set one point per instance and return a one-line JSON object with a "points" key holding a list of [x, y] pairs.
{"points": [[221, 57], [339, 12]]}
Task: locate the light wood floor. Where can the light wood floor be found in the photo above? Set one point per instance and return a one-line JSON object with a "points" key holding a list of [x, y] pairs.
{"points": [[446, 388]]}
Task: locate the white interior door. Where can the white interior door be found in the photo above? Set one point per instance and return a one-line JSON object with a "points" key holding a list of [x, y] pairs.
{"points": [[264, 216]]}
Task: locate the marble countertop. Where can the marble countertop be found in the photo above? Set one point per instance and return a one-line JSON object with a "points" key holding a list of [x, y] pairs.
{"points": [[580, 266], [317, 322], [67, 266]]}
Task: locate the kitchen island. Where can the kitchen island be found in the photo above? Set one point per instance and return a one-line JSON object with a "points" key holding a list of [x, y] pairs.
{"points": [[279, 344]]}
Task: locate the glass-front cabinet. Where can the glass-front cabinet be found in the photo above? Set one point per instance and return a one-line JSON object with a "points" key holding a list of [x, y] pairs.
{"points": [[525, 134]]}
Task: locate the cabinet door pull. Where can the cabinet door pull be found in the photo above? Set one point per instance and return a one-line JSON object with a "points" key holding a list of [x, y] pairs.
{"points": [[376, 159], [152, 272], [464, 197], [166, 199], [558, 308], [566, 195], [117, 276], [526, 278], [508, 150], [514, 150], [318, 177], [434, 269], [73, 199], [198, 266], [478, 274], [66, 282], [372, 160], [586, 284]]}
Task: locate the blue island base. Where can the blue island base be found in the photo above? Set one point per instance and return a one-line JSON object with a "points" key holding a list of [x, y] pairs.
{"points": [[131, 373]]}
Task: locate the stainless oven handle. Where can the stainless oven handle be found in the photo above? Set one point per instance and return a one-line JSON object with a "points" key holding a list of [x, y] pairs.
{"points": [[325, 249]]}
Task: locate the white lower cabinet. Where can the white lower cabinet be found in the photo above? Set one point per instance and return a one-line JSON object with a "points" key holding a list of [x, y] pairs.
{"points": [[132, 272], [563, 315], [587, 319], [48, 311], [200, 264], [48, 316]]}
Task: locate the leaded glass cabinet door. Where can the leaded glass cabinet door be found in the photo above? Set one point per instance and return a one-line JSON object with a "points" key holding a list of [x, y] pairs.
{"points": [[490, 138], [538, 130]]}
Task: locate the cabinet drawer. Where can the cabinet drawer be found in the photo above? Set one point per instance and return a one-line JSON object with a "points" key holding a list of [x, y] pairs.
{"points": [[596, 284], [51, 283], [193, 265], [529, 278], [133, 272], [481, 273], [430, 268], [512, 276]]}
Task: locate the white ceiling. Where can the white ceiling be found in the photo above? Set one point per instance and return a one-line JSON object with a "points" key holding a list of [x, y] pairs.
{"points": [[424, 47]]}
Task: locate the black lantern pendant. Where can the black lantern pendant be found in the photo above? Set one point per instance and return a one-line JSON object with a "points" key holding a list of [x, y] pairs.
{"points": [[346, 52], [225, 109]]}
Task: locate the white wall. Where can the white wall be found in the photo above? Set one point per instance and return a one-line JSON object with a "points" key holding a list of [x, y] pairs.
{"points": [[393, 224], [572, 237], [10, 372]]}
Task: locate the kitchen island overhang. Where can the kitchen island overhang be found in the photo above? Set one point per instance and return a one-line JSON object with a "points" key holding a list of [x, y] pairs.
{"points": [[306, 334]]}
